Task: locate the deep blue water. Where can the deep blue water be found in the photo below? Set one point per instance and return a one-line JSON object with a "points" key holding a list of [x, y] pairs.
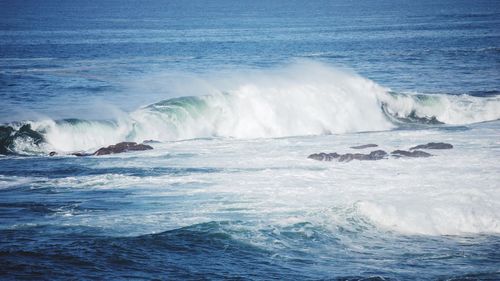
{"points": [[164, 216]]}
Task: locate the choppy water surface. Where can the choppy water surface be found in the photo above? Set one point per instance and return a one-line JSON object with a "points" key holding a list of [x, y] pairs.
{"points": [[236, 96]]}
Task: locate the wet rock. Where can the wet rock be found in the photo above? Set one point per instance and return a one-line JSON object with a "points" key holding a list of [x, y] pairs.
{"points": [[374, 155], [415, 153], [377, 155], [52, 153], [350, 156], [122, 147], [433, 145], [324, 156], [364, 146]]}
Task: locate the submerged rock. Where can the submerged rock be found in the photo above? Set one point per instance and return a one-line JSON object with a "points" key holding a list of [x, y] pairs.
{"points": [[414, 153], [374, 155], [364, 146], [433, 145], [122, 147]]}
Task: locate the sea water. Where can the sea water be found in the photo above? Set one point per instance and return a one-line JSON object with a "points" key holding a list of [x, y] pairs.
{"points": [[233, 97]]}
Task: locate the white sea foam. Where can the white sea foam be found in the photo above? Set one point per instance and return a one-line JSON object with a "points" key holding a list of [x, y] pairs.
{"points": [[443, 216], [271, 184]]}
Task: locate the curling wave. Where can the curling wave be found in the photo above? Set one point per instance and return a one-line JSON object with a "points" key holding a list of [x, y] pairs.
{"points": [[305, 98]]}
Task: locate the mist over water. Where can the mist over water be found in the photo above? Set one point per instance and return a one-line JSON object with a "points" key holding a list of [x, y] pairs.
{"points": [[233, 97]]}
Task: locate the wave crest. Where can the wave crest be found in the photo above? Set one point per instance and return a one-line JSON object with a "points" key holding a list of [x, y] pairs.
{"points": [[304, 98]]}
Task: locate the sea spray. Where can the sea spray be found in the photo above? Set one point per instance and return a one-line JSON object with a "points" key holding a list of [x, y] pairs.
{"points": [[301, 98]]}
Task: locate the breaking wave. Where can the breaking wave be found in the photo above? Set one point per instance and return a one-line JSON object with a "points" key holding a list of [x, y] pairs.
{"points": [[304, 98]]}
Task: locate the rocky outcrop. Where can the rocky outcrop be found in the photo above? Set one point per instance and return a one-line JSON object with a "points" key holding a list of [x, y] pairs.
{"points": [[415, 153], [122, 147], [433, 145], [364, 146]]}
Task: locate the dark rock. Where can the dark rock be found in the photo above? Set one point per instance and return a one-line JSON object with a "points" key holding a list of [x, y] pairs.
{"points": [[350, 156], [415, 153], [433, 145], [374, 155], [52, 153], [324, 156], [364, 146], [122, 147], [377, 155]]}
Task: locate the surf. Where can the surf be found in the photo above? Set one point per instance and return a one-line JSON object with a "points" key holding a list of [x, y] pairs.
{"points": [[298, 99]]}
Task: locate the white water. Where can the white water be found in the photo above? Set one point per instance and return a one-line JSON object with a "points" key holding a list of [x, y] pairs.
{"points": [[304, 98], [270, 183]]}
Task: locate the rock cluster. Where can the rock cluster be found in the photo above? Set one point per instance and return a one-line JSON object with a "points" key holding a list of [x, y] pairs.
{"points": [[374, 155], [380, 154]]}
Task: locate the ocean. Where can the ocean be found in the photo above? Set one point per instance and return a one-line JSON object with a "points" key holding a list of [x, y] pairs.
{"points": [[233, 97]]}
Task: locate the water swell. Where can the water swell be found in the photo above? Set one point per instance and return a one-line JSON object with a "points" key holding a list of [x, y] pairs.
{"points": [[89, 253], [301, 99]]}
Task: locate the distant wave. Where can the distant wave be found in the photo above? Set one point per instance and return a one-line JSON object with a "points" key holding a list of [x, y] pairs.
{"points": [[304, 98]]}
